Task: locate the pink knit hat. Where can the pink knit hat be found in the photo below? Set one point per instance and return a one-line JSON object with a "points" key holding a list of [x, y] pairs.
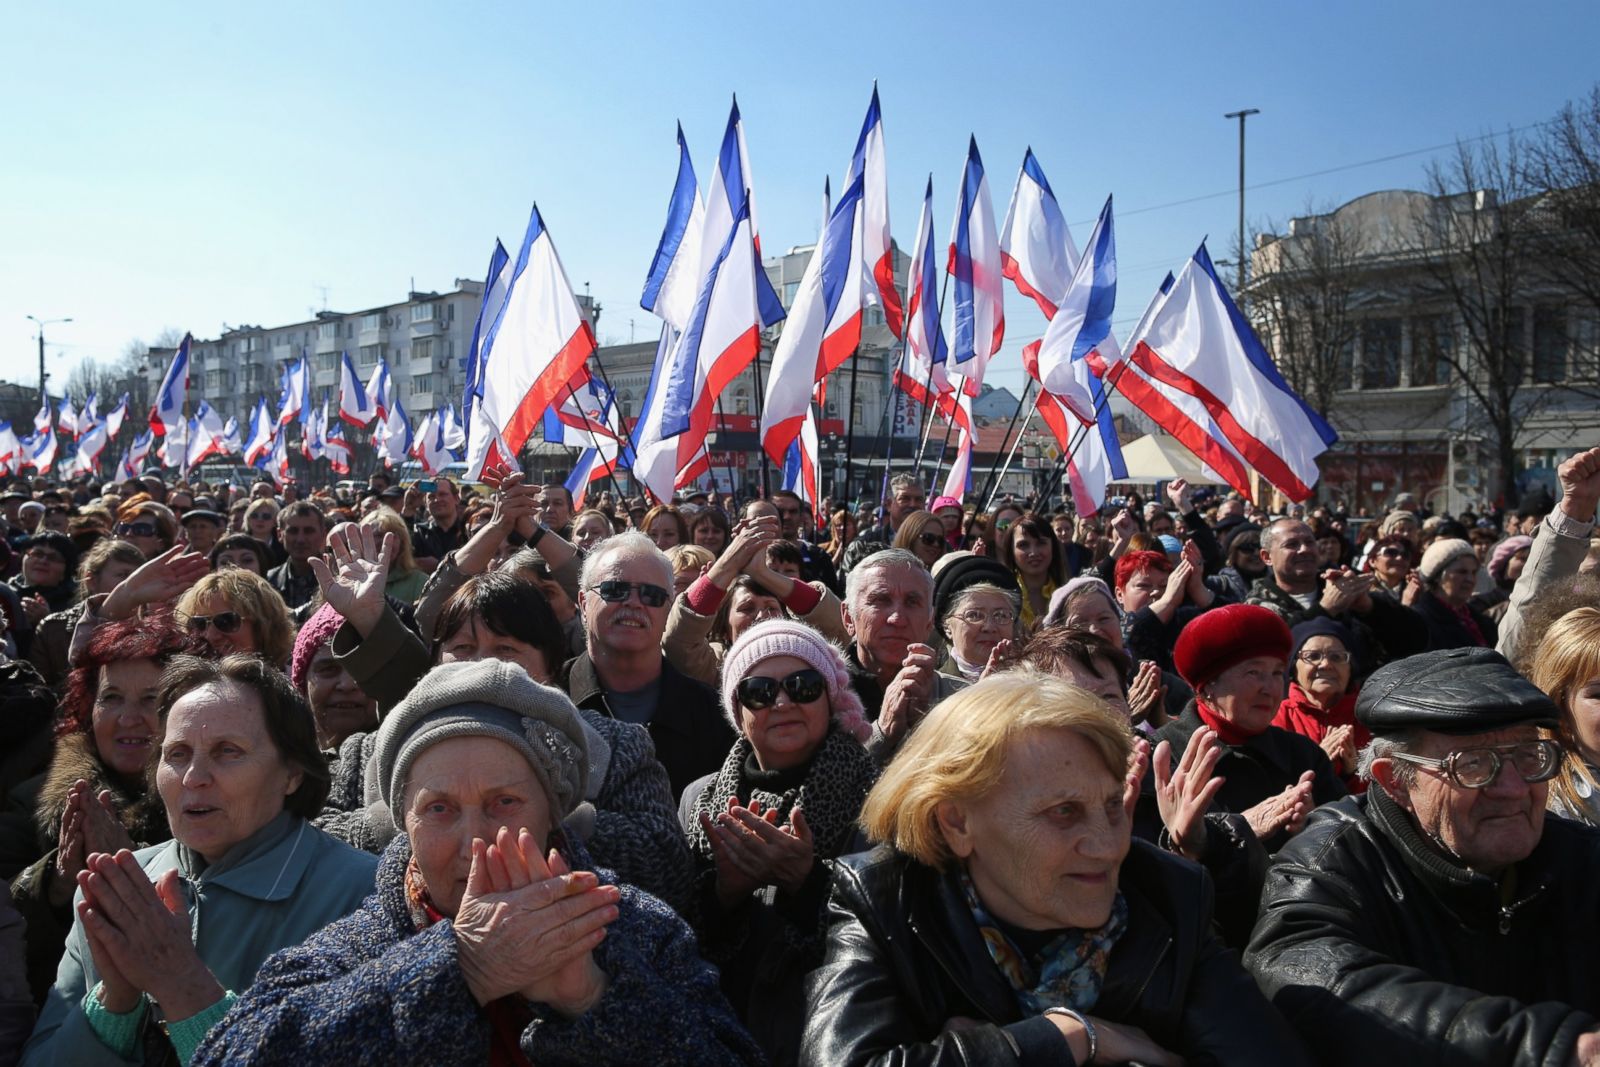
{"points": [[785, 637], [318, 631]]}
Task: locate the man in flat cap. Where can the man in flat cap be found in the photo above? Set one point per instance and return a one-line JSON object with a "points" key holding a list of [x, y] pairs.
{"points": [[1442, 917]]}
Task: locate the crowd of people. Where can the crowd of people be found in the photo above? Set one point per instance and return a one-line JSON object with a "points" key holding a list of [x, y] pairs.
{"points": [[460, 774]]}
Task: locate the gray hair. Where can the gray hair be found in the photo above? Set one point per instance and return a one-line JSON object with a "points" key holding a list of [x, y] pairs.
{"points": [[887, 559], [1269, 534], [903, 481], [1387, 746], [629, 543], [959, 602]]}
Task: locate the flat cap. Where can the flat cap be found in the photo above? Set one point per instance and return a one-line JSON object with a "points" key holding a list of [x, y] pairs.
{"points": [[1454, 691], [203, 515]]}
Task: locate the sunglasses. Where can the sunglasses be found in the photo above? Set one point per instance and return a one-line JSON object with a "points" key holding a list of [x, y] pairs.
{"points": [[136, 529], [932, 540], [1393, 553], [757, 693], [227, 622], [615, 592]]}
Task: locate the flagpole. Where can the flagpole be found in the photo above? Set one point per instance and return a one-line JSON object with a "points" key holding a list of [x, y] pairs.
{"points": [[1066, 457], [989, 503], [933, 400], [948, 427], [589, 426], [761, 394], [850, 419], [722, 425], [615, 403], [989, 482]]}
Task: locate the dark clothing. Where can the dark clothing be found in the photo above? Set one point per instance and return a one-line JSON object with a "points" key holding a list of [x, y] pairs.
{"points": [[1388, 631], [60, 596], [1211, 555], [1445, 628], [296, 589], [1231, 585], [1380, 949], [905, 957], [817, 566], [1262, 767], [429, 539], [690, 733]]}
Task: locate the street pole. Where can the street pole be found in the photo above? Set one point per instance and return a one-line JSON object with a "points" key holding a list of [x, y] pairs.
{"points": [[1244, 253], [44, 397]]}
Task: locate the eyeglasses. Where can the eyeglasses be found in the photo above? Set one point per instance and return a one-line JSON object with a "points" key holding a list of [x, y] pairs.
{"points": [[1475, 768], [136, 529], [45, 555], [227, 622], [803, 686], [932, 540], [999, 616], [1314, 658], [615, 592], [1393, 552]]}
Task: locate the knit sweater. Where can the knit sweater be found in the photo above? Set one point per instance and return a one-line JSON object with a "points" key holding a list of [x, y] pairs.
{"points": [[371, 989]]}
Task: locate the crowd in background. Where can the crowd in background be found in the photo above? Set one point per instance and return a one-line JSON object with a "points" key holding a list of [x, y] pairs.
{"points": [[444, 773]]}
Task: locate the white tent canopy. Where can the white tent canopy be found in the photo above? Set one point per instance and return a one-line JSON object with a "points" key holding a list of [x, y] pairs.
{"points": [[1159, 458]]}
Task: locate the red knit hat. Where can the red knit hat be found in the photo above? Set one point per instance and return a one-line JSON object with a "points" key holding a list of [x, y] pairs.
{"points": [[1226, 637]]}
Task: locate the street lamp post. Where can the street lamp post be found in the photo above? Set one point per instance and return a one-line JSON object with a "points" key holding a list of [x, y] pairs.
{"points": [[44, 397], [1243, 252]]}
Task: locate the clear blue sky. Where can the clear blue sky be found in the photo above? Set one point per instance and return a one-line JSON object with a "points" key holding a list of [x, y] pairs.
{"points": [[191, 167]]}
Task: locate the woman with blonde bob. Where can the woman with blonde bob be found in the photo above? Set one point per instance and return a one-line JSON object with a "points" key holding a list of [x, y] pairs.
{"points": [[236, 611], [405, 577], [1567, 668], [1006, 916]]}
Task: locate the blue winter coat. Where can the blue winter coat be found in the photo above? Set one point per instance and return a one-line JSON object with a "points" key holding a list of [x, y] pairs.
{"points": [[372, 989]]}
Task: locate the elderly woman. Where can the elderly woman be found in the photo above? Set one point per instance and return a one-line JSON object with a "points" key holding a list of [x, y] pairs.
{"points": [[1321, 703], [94, 797], [632, 827], [1504, 567], [167, 936], [1567, 667], [340, 706], [1029, 547], [405, 577], [1007, 916], [490, 938], [765, 828], [242, 551], [1449, 573], [1087, 603], [103, 566], [1234, 658], [976, 602], [1392, 559], [236, 611], [48, 559], [923, 535], [664, 525], [589, 528]]}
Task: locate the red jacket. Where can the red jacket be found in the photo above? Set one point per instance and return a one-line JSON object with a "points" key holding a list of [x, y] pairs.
{"points": [[1298, 714]]}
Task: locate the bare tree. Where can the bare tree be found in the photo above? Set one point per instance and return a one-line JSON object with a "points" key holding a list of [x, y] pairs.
{"points": [[1303, 300], [1564, 166]]}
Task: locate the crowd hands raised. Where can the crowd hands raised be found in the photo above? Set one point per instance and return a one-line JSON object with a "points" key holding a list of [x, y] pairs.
{"points": [[470, 775]]}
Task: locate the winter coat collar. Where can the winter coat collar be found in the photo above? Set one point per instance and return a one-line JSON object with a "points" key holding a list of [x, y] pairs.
{"points": [[140, 812], [267, 865]]}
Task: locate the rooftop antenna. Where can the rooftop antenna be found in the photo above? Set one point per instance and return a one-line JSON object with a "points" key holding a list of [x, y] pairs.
{"points": [[322, 289]]}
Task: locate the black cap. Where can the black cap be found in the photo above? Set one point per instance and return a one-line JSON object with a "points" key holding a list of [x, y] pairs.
{"points": [[1456, 691], [201, 513], [391, 490], [964, 572]]}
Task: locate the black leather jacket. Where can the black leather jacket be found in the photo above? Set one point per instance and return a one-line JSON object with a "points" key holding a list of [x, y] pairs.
{"points": [[904, 958], [1379, 949]]}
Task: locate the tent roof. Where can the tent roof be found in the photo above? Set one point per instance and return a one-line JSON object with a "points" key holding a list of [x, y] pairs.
{"points": [[1159, 458]]}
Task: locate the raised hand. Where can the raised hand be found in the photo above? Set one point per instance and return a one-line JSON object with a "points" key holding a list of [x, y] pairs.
{"points": [[354, 585], [1580, 485], [1181, 495], [158, 580], [1146, 693], [908, 696], [1185, 795], [1133, 781], [1340, 745]]}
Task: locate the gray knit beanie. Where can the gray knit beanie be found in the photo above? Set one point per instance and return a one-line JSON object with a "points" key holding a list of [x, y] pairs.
{"points": [[487, 698]]}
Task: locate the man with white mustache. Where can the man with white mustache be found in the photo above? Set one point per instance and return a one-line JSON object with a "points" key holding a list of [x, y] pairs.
{"points": [[625, 593]]}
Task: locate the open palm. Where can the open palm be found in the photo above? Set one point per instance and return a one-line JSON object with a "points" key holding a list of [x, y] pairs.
{"points": [[355, 583]]}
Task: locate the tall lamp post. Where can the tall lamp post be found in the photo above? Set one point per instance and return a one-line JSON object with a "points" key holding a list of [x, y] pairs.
{"points": [[44, 398], [1243, 252]]}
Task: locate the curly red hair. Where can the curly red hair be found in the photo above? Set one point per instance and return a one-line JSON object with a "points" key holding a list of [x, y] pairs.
{"points": [[156, 636]]}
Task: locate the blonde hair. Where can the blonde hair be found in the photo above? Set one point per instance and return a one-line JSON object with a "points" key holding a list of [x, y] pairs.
{"points": [[252, 597], [1568, 657], [958, 753], [388, 520], [689, 558]]}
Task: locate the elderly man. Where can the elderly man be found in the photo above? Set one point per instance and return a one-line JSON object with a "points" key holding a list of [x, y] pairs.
{"points": [[625, 593], [304, 532], [1297, 589], [1442, 917], [888, 613], [201, 529]]}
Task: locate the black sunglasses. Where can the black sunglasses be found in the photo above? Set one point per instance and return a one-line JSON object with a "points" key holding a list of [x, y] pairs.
{"points": [[932, 540], [227, 622], [803, 686], [616, 591], [136, 529]]}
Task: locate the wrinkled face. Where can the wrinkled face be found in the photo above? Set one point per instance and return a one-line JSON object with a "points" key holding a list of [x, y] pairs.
{"points": [[202, 535], [242, 639], [1583, 711], [110, 576], [475, 641], [1491, 828], [220, 776], [124, 720], [663, 531], [747, 607], [262, 524], [1317, 671], [1045, 846], [465, 789], [787, 733], [1031, 554], [1093, 612], [1293, 555], [1247, 694], [243, 558], [303, 537], [1102, 681], [892, 608], [557, 512], [983, 620], [1142, 587], [43, 566], [628, 625], [337, 702], [1405, 528], [905, 500], [1392, 563], [590, 531], [1458, 581]]}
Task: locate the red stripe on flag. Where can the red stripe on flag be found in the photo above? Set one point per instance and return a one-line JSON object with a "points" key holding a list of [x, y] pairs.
{"points": [[1010, 268], [781, 436], [837, 346], [550, 384], [724, 369], [889, 292]]}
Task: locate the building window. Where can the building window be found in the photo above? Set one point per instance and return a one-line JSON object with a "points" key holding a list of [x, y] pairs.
{"points": [[328, 331], [1432, 345], [370, 354], [741, 402], [1380, 353], [421, 383], [422, 348], [1344, 373], [789, 291], [872, 316], [252, 377], [216, 381], [1549, 344], [421, 312], [372, 321], [327, 361], [625, 404]]}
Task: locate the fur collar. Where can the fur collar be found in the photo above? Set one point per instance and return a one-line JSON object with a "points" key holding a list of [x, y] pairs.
{"points": [[142, 814]]}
